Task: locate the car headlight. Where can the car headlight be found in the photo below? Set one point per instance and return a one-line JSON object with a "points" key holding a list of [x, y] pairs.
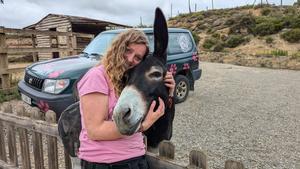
{"points": [[55, 86]]}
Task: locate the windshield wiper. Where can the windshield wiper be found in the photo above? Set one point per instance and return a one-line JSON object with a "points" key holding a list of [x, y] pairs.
{"points": [[85, 54]]}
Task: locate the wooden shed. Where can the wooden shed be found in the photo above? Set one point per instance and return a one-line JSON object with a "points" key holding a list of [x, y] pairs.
{"points": [[66, 23]]}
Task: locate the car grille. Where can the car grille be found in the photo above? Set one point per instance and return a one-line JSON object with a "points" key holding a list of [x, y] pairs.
{"points": [[34, 81]]}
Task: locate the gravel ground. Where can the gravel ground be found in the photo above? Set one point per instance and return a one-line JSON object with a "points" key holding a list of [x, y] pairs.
{"points": [[245, 114]]}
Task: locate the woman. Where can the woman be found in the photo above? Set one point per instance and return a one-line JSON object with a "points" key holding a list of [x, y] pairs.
{"points": [[101, 144]]}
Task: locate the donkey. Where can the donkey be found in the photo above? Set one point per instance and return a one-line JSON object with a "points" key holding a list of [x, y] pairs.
{"points": [[144, 84]]}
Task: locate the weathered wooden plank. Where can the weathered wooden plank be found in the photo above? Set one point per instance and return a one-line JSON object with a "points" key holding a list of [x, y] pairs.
{"points": [[34, 54], [156, 162], [4, 165], [5, 80], [198, 159], [24, 141], [68, 162], [74, 44], [52, 142], [25, 32], [37, 140], [39, 49], [166, 149], [29, 32], [48, 26], [11, 136], [2, 143], [29, 124], [16, 69]]}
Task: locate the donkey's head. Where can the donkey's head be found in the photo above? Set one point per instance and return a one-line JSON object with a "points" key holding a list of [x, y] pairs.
{"points": [[145, 83]]}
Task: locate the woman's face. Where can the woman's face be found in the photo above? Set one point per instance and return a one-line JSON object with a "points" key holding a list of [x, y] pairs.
{"points": [[134, 54]]}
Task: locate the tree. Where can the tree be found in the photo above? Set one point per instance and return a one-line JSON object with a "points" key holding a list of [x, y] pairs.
{"points": [[1, 1]]}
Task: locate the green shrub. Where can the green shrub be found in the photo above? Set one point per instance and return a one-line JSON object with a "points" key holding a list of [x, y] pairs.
{"points": [[234, 41], [290, 10], [292, 36], [209, 43], [296, 55], [237, 23], [269, 27], [196, 37], [7, 96], [209, 31], [269, 40], [218, 47], [216, 35], [279, 52], [265, 11]]}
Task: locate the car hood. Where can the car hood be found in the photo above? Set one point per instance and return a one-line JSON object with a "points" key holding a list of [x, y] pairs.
{"points": [[71, 67]]}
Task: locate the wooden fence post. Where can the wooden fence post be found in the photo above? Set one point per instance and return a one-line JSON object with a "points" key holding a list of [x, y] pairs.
{"points": [[68, 162], [37, 140], [24, 142], [230, 164], [52, 142], [166, 149], [34, 54], [74, 44], [198, 159], [4, 75], [11, 136], [2, 141]]}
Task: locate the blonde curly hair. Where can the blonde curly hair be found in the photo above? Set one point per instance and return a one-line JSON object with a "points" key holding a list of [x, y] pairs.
{"points": [[114, 61]]}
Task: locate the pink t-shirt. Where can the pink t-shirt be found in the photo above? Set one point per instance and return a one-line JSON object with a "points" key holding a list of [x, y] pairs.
{"points": [[105, 151]]}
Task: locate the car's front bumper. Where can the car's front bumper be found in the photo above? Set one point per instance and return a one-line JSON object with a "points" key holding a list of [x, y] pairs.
{"points": [[46, 101]]}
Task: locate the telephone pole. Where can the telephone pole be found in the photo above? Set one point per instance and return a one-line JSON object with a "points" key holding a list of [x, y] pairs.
{"points": [[212, 4], [190, 6], [171, 10]]}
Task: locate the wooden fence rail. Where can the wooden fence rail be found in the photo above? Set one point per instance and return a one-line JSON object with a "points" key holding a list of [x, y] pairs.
{"points": [[32, 135], [6, 33]]}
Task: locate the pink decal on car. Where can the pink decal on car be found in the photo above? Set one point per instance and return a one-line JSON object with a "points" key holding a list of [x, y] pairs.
{"points": [[173, 69], [43, 106], [186, 66], [195, 58], [55, 74]]}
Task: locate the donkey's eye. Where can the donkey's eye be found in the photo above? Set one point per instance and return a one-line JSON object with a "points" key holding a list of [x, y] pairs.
{"points": [[155, 74]]}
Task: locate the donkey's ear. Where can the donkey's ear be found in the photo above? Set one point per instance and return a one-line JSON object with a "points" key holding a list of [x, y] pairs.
{"points": [[160, 36]]}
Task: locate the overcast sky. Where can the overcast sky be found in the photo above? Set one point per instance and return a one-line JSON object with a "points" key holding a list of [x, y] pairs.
{"points": [[21, 13]]}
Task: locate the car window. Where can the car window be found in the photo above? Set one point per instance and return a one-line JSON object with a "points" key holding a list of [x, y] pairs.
{"points": [[178, 43], [151, 42], [100, 43]]}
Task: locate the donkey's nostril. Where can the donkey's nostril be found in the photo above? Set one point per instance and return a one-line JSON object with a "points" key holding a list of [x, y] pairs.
{"points": [[127, 115]]}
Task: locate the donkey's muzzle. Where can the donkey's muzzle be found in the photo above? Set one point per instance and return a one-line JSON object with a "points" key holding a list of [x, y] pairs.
{"points": [[129, 111]]}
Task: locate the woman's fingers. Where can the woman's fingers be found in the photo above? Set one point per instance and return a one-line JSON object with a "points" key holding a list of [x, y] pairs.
{"points": [[152, 105]]}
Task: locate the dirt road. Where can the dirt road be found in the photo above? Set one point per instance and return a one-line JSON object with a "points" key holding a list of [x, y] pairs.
{"points": [[241, 113]]}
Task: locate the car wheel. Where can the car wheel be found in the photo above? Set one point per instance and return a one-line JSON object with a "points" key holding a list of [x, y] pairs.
{"points": [[182, 88]]}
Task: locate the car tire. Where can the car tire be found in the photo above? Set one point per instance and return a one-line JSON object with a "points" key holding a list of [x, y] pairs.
{"points": [[182, 88]]}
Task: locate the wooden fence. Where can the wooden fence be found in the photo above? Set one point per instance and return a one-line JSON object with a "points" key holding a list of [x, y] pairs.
{"points": [[24, 134], [6, 50]]}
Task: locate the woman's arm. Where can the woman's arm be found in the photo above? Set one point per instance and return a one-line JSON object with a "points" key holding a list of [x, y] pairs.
{"points": [[170, 83], [95, 113]]}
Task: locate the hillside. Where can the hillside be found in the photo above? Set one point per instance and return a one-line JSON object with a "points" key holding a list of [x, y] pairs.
{"points": [[260, 36]]}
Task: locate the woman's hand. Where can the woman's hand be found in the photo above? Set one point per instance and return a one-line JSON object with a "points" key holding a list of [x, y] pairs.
{"points": [[170, 83], [152, 115]]}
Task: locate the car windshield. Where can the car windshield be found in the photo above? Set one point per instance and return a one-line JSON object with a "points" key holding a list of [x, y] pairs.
{"points": [[99, 45]]}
